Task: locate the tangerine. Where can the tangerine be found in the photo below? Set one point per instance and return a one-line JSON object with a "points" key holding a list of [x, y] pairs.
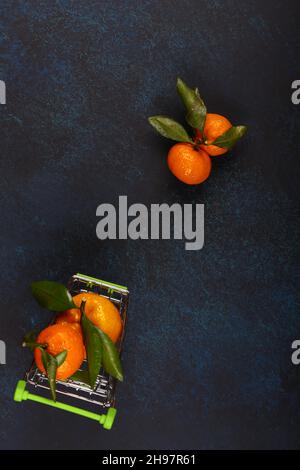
{"points": [[215, 125], [60, 337], [100, 310], [188, 164], [61, 320]]}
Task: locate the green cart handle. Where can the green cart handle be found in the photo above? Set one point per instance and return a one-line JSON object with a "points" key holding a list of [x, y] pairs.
{"points": [[84, 277], [105, 419]]}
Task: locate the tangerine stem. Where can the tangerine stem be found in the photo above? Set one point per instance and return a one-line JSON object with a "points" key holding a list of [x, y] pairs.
{"points": [[33, 344], [197, 144]]}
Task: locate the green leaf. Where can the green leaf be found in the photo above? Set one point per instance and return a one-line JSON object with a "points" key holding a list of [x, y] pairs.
{"points": [[61, 357], [230, 137], [111, 359], [52, 295], [50, 365], [29, 341], [82, 376], [32, 345], [93, 346], [196, 109], [31, 336], [169, 128]]}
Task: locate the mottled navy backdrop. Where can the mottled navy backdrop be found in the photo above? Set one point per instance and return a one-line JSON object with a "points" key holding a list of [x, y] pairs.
{"points": [[207, 352]]}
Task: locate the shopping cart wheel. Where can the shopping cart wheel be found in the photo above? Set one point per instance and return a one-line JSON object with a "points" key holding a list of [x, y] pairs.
{"points": [[109, 418], [20, 389]]}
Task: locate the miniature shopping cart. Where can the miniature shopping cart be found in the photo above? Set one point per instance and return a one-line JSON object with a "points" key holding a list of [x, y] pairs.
{"points": [[72, 391]]}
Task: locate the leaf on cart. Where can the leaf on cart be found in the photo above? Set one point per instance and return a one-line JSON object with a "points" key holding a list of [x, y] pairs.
{"points": [[82, 376], [111, 359], [93, 346], [52, 295], [29, 340], [61, 357], [50, 365]]}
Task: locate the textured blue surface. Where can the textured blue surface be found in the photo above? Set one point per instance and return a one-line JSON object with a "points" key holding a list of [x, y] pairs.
{"points": [[207, 354]]}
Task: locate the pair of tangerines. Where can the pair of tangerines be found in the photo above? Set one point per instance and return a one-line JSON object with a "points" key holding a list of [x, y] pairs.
{"points": [[189, 160], [66, 333]]}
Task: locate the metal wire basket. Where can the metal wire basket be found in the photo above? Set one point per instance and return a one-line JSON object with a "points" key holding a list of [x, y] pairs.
{"points": [[103, 395]]}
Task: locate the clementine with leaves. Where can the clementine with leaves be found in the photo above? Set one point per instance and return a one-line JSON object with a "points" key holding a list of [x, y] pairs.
{"points": [[59, 338], [213, 135], [60, 349]]}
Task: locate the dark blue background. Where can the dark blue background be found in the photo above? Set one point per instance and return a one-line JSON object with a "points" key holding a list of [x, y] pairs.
{"points": [[208, 345]]}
